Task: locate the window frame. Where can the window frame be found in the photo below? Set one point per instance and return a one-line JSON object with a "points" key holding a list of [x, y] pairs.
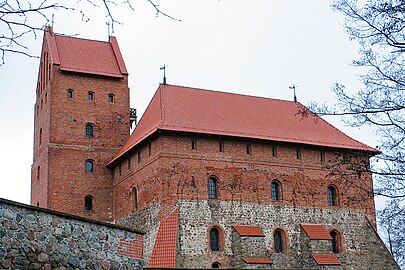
{"points": [[212, 188], [336, 241], [90, 96], [332, 195], [89, 162], [279, 241], [111, 98], [88, 203], [70, 93], [89, 130], [276, 191]]}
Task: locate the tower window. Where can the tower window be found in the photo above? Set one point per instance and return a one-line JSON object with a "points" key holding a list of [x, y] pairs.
{"points": [[40, 136], [129, 163], [221, 147], [70, 94], [212, 188], [111, 98], [275, 191], [89, 166], [139, 156], [335, 241], [90, 95], [89, 130], [248, 149], [322, 156], [119, 169], [279, 241], [150, 149], [88, 202], [332, 200], [38, 172], [214, 239], [134, 199]]}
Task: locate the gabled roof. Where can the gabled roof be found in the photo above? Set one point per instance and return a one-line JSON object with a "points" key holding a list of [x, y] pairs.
{"points": [[86, 56], [249, 231], [178, 108], [316, 232]]}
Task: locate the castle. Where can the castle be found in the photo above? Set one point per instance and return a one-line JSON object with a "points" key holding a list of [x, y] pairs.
{"points": [[216, 180]]}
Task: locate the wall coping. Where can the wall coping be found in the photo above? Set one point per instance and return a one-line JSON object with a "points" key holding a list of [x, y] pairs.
{"points": [[70, 216]]}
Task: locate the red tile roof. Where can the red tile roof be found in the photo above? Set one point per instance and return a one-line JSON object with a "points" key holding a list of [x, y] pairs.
{"points": [[316, 232], [257, 260], [178, 108], [249, 231], [164, 249], [326, 259], [86, 56]]}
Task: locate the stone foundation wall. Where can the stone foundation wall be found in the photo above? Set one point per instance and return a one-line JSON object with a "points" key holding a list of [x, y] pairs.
{"points": [[36, 238]]}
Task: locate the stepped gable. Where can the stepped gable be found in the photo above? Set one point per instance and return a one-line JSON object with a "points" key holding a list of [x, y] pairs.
{"points": [[185, 109], [86, 56]]}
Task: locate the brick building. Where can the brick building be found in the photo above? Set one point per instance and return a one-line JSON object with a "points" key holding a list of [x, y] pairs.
{"points": [[216, 180]]}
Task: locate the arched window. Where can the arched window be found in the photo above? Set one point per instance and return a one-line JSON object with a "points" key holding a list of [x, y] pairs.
{"points": [[110, 98], [70, 94], [89, 166], [90, 95], [332, 200], [134, 199], [279, 241], [275, 191], [216, 265], [88, 202], [89, 130], [212, 188], [214, 239], [336, 248]]}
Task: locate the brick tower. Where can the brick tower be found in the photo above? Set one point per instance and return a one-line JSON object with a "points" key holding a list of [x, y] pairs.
{"points": [[81, 121]]}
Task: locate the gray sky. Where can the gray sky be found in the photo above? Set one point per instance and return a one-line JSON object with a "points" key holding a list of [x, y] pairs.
{"points": [[256, 47]]}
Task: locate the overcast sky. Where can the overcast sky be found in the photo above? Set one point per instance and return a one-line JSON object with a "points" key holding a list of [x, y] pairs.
{"points": [[255, 47]]}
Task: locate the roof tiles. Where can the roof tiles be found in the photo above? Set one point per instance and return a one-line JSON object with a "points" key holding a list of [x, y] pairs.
{"points": [[185, 109], [257, 260], [86, 56], [164, 250], [316, 232], [249, 231], [326, 259]]}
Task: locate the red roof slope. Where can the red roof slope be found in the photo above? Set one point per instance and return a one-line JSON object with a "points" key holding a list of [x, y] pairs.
{"points": [[326, 259], [179, 108], [164, 250], [316, 232], [86, 56], [249, 231], [257, 260]]}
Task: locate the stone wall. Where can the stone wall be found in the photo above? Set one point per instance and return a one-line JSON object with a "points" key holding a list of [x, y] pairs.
{"points": [[36, 238]]}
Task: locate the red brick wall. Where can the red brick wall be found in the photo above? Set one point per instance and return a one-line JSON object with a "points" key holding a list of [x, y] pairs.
{"points": [[64, 149], [174, 172]]}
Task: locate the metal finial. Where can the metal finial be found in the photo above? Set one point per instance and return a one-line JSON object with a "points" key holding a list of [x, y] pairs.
{"points": [[164, 73], [293, 87]]}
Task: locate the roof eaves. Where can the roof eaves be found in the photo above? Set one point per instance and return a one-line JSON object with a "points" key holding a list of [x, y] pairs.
{"points": [[78, 70]]}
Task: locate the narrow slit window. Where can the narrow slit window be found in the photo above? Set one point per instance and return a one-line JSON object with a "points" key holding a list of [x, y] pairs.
{"points": [[214, 239], [332, 200], [298, 153], [134, 199], [322, 156], [248, 149], [139, 156], [275, 191], [88, 203], [221, 147], [279, 241], [335, 241], [212, 188], [274, 151], [150, 149], [194, 144]]}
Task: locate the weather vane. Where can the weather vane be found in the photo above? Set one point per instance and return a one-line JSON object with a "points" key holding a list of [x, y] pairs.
{"points": [[293, 87], [164, 73]]}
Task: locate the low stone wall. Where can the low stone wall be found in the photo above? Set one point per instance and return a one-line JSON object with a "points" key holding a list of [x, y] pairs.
{"points": [[36, 238]]}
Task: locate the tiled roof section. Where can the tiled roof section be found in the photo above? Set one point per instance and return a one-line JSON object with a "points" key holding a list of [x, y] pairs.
{"points": [[86, 56], [249, 231], [164, 249], [316, 232], [326, 259], [203, 111], [257, 260]]}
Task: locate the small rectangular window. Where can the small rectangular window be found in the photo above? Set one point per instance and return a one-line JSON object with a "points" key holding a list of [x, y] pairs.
{"points": [[248, 149], [298, 153], [274, 151], [322, 156], [129, 163], [194, 144], [139, 156], [221, 147], [119, 170], [150, 149]]}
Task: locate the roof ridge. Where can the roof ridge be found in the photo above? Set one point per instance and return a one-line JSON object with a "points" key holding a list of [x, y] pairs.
{"points": [[231, 93], [162, 107], [75, 37]]}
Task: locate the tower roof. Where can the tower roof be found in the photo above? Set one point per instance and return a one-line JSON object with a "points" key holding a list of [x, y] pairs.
{"points": [[185, 109], [86, 56]]}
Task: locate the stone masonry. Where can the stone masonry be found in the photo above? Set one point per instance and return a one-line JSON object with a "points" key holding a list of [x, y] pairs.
{"points": [[36, 238]]}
